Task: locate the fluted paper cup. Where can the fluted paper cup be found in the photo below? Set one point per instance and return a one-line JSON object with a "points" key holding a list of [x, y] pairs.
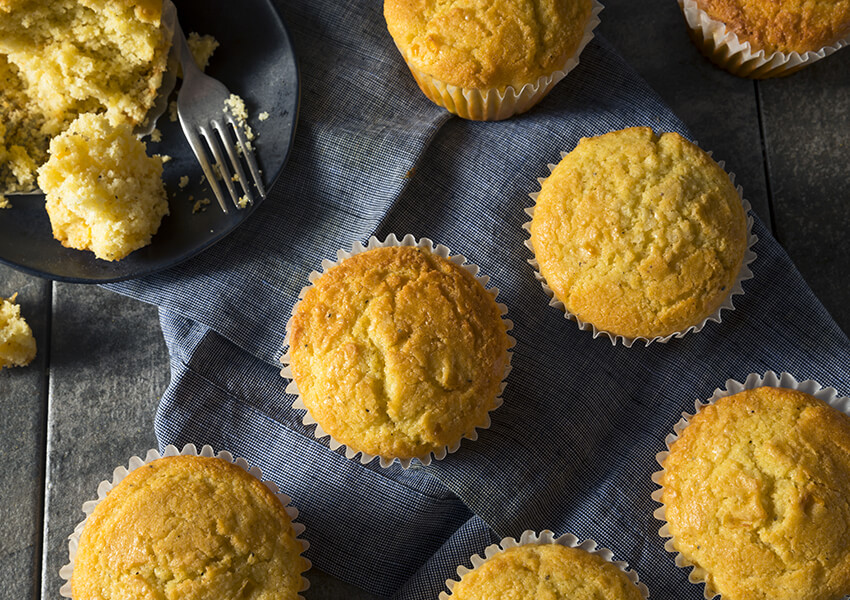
{"points": [[744, 274], [496, 104], [358, 248]]}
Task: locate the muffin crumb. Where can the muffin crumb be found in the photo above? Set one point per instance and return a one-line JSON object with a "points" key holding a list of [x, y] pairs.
{"points": [[17, 344], [200, 205], [202, 48]]}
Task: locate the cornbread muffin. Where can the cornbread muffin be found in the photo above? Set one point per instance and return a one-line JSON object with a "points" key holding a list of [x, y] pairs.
{"points": [[62, 58], [641, 235], [787, 26], [485, 45], [755, 494], [17, 344], [104, 193], [398, 352], [188, 527], [545, 571]]}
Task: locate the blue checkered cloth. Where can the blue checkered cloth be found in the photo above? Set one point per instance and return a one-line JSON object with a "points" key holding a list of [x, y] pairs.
{"points": [[572, 449]]}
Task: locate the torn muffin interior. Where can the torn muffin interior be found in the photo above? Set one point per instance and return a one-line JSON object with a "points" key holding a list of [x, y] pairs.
{"points": [[64, 58]]}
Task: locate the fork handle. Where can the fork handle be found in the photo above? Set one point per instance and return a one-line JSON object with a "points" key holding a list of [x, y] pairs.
{"points": [[184, 54]]}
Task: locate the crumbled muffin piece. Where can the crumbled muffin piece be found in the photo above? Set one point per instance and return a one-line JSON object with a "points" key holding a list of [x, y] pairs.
{"points": [[240, 113], [17, 344], [202, 48], [200, 205], [104, 193]]}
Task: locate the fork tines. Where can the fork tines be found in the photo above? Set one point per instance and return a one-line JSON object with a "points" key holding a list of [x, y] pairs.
{"points": [[217, 134]]}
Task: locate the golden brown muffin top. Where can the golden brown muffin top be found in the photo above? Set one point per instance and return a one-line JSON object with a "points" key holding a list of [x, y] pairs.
{"points": [[398, 352], [786, 26], [756, 493], [184, 528], [484, 44], [545, 572], [641, 235]]}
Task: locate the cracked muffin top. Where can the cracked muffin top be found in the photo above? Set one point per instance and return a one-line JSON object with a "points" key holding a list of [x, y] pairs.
{"points": [[398, 352], [640, 234], [787, 26], [484, 44], [188, 527], [755, 494]]}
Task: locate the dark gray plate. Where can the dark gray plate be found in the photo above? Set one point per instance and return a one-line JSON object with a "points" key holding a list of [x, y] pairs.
{"points": [[255, 60]]}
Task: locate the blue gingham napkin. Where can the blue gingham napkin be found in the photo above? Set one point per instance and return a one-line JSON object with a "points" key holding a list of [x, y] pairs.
{"points": [[572, 448]]}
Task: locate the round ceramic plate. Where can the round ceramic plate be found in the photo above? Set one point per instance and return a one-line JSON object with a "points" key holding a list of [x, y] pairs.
{"points": [[256, 60]]}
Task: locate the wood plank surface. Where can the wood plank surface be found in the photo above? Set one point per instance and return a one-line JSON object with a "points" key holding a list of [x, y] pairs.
{"points": [[23, 401], [807, 136], [108, 367]]}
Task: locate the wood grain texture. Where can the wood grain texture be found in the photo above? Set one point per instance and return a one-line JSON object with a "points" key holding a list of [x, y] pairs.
{"points": [[806, 121], [109, 366], [23, 399]]}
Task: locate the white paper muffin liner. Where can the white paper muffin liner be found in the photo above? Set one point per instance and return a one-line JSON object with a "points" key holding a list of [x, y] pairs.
{"points": [[722, 47], [744, 274], [753, 380], [358, 248], [494, 104], [135, 462], [545, 537]]}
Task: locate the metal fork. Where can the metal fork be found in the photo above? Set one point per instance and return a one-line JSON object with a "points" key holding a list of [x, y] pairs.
{"points": [[205, 117]]}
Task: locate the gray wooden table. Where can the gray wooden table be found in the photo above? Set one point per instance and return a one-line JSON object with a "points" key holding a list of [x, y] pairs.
{"points": [[88, 401]]}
